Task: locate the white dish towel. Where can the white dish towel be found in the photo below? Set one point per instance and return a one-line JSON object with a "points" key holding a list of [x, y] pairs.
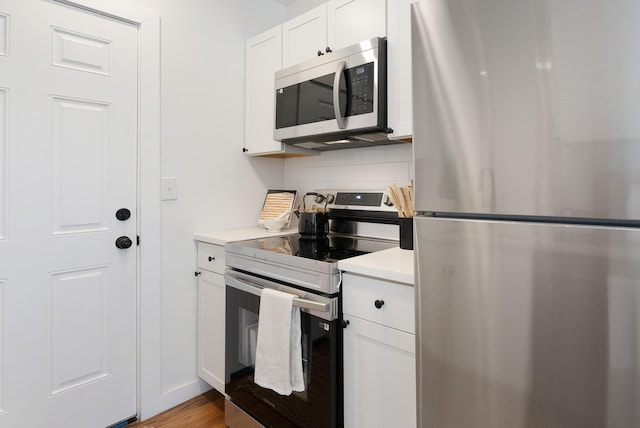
{"points": [[279, 349]]}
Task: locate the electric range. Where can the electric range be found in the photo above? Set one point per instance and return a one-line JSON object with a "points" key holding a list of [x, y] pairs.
{"points": [[360, 222], [307, 267]]}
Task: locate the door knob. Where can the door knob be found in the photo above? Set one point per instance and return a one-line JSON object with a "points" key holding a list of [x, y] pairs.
{"points": [[123, 214], [123, 242]]}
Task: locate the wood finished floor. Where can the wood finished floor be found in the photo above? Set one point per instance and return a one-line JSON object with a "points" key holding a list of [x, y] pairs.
{"points": [[203, 411]]}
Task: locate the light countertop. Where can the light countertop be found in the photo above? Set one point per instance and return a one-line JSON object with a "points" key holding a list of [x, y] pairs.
{"points": [[221, 237], [394, 264]]}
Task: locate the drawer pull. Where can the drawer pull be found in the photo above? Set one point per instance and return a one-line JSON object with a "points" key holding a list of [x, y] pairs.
{"points": [[197, 273], [378, 303], [345, 323], [211, 258]]}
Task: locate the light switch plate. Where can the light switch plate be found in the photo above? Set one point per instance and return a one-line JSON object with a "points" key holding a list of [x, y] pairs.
{"points": [[169, 190]]}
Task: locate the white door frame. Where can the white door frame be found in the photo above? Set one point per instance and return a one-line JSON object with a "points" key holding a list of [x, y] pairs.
{"points": [[148, 210]]}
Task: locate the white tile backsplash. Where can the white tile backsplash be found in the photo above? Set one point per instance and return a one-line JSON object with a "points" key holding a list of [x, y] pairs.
{"points": [[400, 153], [373, 157], [363, 168]]}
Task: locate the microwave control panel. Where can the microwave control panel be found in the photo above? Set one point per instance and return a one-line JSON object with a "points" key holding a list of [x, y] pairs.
{"points": [[360, 80]]}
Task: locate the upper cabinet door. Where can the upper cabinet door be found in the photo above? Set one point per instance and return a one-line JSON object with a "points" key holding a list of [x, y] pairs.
{"points": [[304, 35], [352, 21], [399, 86], [263, 59]]}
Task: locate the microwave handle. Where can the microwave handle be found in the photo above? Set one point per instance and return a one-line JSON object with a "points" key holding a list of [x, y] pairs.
{"points": [[336, 94]]}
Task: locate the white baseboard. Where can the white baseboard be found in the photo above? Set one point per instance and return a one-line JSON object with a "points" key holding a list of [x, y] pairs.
{"points": [[182, 393]]}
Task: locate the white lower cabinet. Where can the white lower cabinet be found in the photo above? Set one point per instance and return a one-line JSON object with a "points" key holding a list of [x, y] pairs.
{"points": [[379, 353], [211, 314]]}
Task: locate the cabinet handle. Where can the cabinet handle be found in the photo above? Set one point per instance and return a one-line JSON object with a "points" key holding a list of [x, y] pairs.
{"points": [[197, 273], [320, 52], [345, 323], [245, 150], [328, 50], [211, 258], [378, 303]]}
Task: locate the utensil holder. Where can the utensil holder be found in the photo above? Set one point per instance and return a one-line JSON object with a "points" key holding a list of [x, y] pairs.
{"points": [[406, 233]]}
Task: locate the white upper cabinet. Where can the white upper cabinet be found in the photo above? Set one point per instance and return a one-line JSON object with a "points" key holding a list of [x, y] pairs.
{"points": [[263, 59], [304, 36], [352, 21], [399, 89], [333, 25]]}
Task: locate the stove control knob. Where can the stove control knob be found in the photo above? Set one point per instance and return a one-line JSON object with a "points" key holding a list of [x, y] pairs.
{"points": [[386, 200], [330, 198]]}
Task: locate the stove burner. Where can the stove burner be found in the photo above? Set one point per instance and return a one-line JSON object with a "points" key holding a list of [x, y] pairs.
{"points": [[317, 248], [330, 248]]}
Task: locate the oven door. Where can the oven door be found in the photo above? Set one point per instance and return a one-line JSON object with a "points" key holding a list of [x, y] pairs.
{"points": [[320, 404]]}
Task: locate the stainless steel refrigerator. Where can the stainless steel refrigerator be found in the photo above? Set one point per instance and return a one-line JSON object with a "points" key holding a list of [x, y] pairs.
{"points": [[527, 239]]}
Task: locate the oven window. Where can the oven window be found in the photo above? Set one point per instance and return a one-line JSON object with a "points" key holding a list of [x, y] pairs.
{"points": [[318, 405], [248, 332]]}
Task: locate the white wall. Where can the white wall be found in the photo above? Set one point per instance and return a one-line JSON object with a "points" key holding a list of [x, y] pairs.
{"points": [[300, 6], [202, 56]]}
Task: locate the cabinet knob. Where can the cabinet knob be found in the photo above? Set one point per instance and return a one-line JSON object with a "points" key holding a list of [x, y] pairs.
{"points": [[320, 53], [328, 50], [378, 303], [211, 258], [345, 323], [197, 273], [245, 150]]}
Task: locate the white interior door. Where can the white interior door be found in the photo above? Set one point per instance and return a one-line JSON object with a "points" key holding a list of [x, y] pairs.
{"points": [[68, 157]]}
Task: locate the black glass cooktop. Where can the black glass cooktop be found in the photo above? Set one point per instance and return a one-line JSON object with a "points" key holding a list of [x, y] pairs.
{"points": [[330, 248]]}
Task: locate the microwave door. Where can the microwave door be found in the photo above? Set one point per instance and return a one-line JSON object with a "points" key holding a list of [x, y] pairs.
{"points": [[313, 105]]}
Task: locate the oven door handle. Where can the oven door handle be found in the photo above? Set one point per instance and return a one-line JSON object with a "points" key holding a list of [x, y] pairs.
{"points": [[257, 291]]}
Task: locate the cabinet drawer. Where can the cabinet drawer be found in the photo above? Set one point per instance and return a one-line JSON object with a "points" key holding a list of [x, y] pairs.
{"points": [[211, 257], [396, 301]]}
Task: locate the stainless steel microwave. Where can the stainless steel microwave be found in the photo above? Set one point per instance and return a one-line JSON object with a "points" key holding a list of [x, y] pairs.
{"points": [[335, 101]]}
